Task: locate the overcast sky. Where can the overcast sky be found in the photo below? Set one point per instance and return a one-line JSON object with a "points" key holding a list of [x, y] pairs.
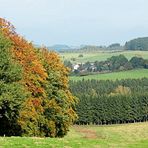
{"points": [[76, 22]]}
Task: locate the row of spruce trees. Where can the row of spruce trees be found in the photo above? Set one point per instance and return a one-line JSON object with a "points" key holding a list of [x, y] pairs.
{"points": [[34, 94], [111, 102]]}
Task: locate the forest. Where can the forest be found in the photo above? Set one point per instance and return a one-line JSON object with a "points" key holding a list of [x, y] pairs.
{"points": [[137, 44], [111, 102]]}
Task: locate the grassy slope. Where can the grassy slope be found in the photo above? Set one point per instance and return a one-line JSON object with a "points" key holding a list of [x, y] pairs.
{"points": [[133, 74], [128, 135], [101, 56]]}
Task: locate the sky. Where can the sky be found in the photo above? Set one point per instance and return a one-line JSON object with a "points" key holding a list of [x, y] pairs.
{"points": [[77, 22]]}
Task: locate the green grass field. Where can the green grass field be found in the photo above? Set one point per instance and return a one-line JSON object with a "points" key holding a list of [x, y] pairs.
{"points": [[132, 74], [101, 56], [113, 136]]}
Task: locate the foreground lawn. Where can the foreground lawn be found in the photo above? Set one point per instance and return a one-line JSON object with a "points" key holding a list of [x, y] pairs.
{"points": [[113, 136], [131, 74]]}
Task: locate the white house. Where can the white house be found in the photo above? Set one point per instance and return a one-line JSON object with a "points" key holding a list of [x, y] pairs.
{"points": [[75, 67]]}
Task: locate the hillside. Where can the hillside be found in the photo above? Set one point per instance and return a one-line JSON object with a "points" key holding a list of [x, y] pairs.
{"points": [[59, 47]]}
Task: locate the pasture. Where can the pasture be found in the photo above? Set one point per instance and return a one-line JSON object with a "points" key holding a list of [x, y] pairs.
{"points": [[133, 135], [130, 74], [100, 56]]}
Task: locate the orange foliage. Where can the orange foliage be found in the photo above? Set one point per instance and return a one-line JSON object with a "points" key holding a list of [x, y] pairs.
{"points": [[6, 27], [24, 52], [34, 73]]}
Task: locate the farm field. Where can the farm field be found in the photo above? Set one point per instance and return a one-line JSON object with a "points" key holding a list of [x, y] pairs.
{"points": [[101, 56], [131, 74], [133, 135]]}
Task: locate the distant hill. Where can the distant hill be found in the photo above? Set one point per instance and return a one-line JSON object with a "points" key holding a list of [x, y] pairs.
{"points": [[137, 44], [134, 44], [94, 48], [59, 47]]}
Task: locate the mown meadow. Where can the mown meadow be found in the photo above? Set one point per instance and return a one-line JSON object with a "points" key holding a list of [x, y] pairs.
{"points": [[133, 135], [130, 74]]}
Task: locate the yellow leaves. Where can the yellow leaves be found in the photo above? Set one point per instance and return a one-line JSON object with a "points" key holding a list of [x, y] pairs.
{"points": [[70, 98], [33, 105], [121, 90], [30, 114], [72, 114], [54, 105], [52, 127], [53, 63]]}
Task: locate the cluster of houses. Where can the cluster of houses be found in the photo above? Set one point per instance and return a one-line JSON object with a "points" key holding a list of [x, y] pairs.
{"points": [[84, 67]]}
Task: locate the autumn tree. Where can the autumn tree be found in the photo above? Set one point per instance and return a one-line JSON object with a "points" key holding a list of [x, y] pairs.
{"points": [[60, 103], [49, 109]]}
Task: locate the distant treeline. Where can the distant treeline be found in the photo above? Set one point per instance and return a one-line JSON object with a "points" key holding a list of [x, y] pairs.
{"points": [[111, 102], [134, 44], [137, 44], [93, 48]]}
